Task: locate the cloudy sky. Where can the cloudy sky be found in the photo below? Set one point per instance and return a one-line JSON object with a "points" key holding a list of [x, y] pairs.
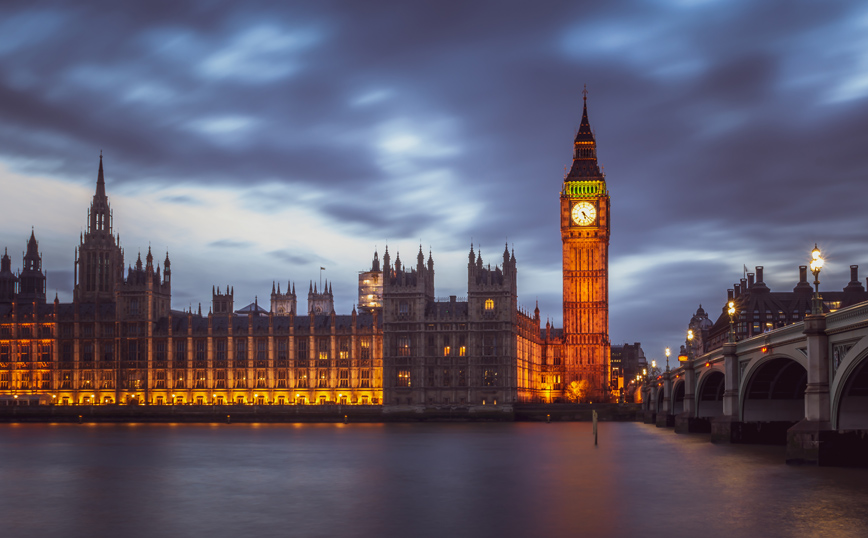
{"points": [[259, 143]]}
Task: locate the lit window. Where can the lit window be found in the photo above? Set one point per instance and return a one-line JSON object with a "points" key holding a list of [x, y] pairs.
{"points": [[404, 346], [403, 378], [489, 304]]}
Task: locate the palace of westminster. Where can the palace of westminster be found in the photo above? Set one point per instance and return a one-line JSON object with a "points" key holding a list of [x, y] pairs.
{"points": [[120, 341]]}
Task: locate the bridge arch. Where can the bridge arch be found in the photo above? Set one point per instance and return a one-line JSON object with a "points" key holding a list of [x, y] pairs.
{"points": [[709, 394], [676, 402], [773, 390], [850, 390]]}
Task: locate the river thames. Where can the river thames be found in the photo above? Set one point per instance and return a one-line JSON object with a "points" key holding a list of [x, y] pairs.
{"points": [[467, 479]]}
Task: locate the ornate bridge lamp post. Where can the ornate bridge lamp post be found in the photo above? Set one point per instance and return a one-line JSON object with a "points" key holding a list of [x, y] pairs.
{"points": [[816, 266], [689, 377], [731, 311], [667, 358]]}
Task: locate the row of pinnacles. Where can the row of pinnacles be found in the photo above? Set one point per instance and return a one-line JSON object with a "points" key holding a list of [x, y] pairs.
{"points": [[318, 302], [410, 290]]}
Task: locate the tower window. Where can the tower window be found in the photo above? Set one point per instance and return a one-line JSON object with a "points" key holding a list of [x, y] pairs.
{"points": [[404, 346], [403, 378], [489, 304]]}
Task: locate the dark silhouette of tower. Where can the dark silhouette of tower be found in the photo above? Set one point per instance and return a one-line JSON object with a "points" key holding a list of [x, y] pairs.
{"points": [[99, 258], [8, 280], [31, 280]]}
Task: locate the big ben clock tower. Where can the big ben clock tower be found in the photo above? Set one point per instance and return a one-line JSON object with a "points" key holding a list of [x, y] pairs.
{"points": [[585, 237]]}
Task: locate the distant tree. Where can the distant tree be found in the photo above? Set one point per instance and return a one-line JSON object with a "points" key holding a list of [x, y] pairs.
{"points": [[578, 391]]}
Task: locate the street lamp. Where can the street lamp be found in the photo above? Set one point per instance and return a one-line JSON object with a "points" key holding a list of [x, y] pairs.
{"points": [[667, 359], [689, 344], [816, 266], [731, 311]]}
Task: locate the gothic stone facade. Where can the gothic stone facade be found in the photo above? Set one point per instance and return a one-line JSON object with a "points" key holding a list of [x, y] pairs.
{"points": [[119, 341]]}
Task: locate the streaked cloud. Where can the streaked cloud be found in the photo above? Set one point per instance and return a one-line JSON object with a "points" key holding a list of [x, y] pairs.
{"points": [[260, 141]]}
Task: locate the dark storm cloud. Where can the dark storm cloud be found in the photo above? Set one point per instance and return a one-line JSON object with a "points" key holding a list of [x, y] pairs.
{"points": [[733, 129], [298, 258], [181, 199], [230, 243]]}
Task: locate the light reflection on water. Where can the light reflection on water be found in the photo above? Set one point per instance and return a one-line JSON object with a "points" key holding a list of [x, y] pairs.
{"points": [[477, 480]]}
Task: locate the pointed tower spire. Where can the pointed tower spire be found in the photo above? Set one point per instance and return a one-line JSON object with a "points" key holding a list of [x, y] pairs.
{"points": [[100, 179], [32, 245], [585, 149]]}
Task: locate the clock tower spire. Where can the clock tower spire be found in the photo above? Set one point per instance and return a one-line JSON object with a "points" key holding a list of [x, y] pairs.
{"points": [[585, 238]]}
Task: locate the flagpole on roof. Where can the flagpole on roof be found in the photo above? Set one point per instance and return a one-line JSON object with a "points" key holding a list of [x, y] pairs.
{"points": [[321, 269]]}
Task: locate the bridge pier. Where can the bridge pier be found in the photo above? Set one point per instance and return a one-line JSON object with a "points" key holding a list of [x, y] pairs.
{"points": [[688, 422], [684, 423], [649, 407], [664, 419], [727, 428], [811, 440]]}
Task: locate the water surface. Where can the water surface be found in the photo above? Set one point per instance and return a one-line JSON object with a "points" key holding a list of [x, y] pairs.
{"points": [[475, 480]]}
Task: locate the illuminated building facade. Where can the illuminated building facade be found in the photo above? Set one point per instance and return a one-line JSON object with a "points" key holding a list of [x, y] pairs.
{"points": [[119, 341], [584, 204]]}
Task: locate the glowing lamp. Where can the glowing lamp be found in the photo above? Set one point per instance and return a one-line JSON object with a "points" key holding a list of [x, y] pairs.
{"points": [[816, 259]]}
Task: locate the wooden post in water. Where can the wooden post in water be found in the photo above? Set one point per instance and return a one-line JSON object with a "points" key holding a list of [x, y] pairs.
{"points": [[594, 415]]}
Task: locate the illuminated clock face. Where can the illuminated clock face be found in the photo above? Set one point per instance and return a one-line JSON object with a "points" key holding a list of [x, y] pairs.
{"points": [[584, 213]]}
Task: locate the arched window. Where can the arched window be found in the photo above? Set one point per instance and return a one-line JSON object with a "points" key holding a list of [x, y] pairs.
{"points": [[489, 304]]}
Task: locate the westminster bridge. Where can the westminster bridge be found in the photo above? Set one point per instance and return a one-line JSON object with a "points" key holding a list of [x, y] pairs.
{"points": [[804, 384]]}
